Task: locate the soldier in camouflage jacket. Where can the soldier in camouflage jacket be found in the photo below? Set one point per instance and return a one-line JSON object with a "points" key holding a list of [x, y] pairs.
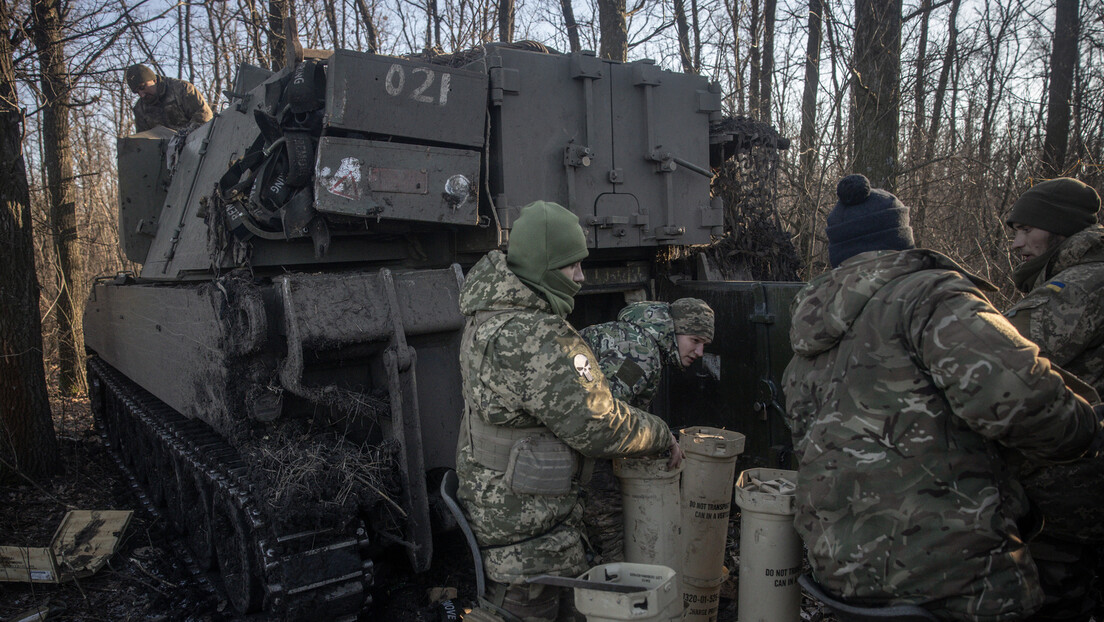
{"points": [[632, 350], [1062, 247], [173, 103], [1063, 312], [905, 390], [528, 375]]}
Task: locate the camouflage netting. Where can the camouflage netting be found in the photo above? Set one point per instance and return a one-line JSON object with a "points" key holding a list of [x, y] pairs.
{"points": [[754, 246], [311, 480]]}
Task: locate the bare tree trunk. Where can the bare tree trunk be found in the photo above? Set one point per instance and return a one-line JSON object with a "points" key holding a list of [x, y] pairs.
{"points": [[753, 71], [919, 89], [767, 74], [506, 20], [876, 90], [613, 33], [697, 35], [808, 130], [188, 40], [733, 9], [1063, 61], [571, 25], [683, 36], [331, 19], [27, 441], [277, 47], [433, 25], [369, 25], [921, 211], [62, 194]]}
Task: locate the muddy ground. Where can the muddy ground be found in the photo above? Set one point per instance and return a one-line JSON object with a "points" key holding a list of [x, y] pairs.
{"points": [[148, 578]]}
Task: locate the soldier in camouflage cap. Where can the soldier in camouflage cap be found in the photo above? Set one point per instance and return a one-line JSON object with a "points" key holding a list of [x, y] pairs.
{"points": [[173, 103], [1062, 248], [631, 352], [633, 349], [537, 406], [905, 392]]}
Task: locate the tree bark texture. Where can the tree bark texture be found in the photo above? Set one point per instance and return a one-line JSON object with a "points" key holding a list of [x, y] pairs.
{"points": [[808, 130], [27, 441], [571, 25], [614, 34], [683, 37], [876, 90], [506, 20], [753, 58], [369, 25], [58, 156], [769, 10], [277, 47], [1063, 63]]}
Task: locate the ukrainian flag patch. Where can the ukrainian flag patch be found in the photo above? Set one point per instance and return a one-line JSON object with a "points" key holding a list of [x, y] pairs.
{"points": [[1055, 286]]}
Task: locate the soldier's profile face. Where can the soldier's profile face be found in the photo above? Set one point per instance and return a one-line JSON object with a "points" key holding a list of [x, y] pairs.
{"points": [[148, 90], [574, 272], [1031, 242], [691, 348]]}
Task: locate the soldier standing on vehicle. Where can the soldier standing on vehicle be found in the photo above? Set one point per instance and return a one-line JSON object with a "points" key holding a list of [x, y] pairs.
{"points": [[631, 352], [1062, 248], [173, 103], [537, 406], [906, 391]]}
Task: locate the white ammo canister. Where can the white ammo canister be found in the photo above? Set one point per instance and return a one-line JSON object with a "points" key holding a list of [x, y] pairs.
{"points": [[651, 512], [707, 473], [770, 549], [659, 600]]}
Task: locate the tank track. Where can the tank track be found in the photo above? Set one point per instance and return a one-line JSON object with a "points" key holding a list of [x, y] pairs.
{"points": [[197, 481]]}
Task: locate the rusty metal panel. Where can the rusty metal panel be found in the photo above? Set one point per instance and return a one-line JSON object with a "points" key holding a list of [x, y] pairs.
{"points": [[396, 181], [404, 98]]}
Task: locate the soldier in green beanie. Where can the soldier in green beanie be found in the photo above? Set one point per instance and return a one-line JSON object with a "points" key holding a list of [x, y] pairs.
{"points": [[538, 408], [173, 103], [1062, 247]]}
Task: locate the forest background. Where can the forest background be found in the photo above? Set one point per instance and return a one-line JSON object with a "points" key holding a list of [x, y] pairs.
{"points": [[957, 106]]}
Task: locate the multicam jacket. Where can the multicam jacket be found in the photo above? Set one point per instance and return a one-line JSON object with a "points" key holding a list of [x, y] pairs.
{"points": [[905, 389], [523, 366], [632, 350], [178, 105], [1064, 312]]}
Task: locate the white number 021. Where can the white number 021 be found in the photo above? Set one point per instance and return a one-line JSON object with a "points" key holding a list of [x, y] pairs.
{"points": [[395, 82]]}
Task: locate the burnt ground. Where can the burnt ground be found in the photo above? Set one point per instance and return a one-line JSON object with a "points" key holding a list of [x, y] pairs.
{"points": [[149, 577]]}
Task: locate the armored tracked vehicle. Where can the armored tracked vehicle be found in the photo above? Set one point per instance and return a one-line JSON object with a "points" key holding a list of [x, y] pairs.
{"points": [[281, 376]]}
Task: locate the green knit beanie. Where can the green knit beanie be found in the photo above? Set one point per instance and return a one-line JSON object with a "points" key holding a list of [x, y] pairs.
{"points": [[1063, 206], [545, 238]]}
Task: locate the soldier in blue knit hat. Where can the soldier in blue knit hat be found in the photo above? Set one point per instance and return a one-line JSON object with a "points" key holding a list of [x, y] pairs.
{"points": [[906, 391]]}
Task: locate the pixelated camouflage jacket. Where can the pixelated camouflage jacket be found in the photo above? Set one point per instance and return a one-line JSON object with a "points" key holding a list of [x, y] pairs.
{"points": [[518, 367], [905, 385], [179, 104], [1064, 312], [632, 350]]}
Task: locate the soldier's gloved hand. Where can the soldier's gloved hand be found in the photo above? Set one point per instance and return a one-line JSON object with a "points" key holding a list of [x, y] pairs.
{"points": [[676, 454], [1096, 449]]}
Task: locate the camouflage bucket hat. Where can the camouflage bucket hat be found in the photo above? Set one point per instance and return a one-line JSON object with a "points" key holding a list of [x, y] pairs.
{"points": [[692, 317]]}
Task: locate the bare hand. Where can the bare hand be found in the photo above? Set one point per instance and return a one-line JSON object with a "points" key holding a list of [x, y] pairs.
{"points": [[676, 454]]}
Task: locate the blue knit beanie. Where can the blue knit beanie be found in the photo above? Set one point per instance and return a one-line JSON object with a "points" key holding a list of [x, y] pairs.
{"points": [[866, 219]]}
